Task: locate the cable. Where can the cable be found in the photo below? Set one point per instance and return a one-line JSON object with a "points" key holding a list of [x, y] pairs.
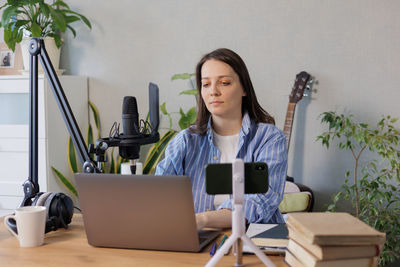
{"points": [[145, 127], [114, 131]]}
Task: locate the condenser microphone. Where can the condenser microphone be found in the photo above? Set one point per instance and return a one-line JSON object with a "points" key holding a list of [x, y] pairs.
{"points": [[130, 117], [135, 132], [128, 148]]}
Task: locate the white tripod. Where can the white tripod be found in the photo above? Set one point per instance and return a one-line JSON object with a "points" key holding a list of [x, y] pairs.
{"points": [[238, 221]]}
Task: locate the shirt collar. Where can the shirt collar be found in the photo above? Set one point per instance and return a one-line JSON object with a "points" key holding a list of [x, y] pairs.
{"points": [[246, 123]]}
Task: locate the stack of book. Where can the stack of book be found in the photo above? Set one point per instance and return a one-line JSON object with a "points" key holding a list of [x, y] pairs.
{"points": [[332, 240]]}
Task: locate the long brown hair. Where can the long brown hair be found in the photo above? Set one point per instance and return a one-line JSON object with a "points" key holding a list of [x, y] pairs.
{"points": [[249, 102]]}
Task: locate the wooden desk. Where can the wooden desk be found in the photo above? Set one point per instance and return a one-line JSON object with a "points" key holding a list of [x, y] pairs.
{"points": [[70, 248]]}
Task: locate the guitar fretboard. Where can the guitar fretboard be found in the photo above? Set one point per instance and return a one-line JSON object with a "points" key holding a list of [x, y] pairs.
{"points": [[287, 128]]}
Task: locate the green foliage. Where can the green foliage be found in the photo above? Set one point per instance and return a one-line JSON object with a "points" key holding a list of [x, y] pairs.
{"points": [[156, 151], [186, 119], [38, 19], [72, 156], [372, 187], [182, 76], [115, 164], [65, 181]]}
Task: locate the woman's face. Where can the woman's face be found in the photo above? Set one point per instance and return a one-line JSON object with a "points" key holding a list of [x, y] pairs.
{"points": [[221, 89]]}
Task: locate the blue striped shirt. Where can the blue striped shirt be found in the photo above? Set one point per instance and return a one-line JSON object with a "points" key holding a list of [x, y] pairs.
{"points": [[188, 154]]}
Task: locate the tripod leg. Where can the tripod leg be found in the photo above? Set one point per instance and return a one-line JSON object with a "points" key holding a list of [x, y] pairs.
{"points": [[257, 251], [220, 252], [238, 252]]}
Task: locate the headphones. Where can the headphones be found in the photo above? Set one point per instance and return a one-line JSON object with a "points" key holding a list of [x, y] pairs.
{"points": [[60, 209]]}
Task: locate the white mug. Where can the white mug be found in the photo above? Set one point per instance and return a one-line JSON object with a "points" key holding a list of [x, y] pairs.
{"points": [[31, 225]]}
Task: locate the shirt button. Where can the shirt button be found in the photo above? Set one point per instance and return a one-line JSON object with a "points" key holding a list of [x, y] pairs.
{"points": [[215, 158]]}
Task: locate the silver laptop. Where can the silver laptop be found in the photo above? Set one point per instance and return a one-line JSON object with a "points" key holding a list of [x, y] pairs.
{"points": [[140, 212]]}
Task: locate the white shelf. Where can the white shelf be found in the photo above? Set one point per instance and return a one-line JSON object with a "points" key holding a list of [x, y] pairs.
{"points": [[53, 137]]}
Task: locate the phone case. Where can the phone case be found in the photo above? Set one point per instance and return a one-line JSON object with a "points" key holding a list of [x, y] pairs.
{"points": [[219, 178]]}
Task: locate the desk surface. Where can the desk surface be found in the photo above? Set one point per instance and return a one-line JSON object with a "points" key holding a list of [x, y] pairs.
{"points": [[70, 248]]}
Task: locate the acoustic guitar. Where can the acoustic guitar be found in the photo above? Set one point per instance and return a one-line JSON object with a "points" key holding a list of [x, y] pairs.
{"points": [[302, 83], [301, 87]]}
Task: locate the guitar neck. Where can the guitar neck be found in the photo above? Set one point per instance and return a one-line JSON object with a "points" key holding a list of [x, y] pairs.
{"points": [[287, 129]]}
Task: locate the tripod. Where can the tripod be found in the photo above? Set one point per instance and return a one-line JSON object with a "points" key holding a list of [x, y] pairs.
{"points": [[238, 222]]}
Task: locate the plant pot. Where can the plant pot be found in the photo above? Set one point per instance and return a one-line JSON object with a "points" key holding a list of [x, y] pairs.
{"points": [[52, 51]]}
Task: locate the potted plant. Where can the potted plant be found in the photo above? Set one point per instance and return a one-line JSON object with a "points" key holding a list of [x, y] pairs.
{"points": [[372, 187], [35, 18]]}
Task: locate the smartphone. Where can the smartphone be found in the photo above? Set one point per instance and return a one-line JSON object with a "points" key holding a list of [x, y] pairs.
{"points": [[219, 178]]}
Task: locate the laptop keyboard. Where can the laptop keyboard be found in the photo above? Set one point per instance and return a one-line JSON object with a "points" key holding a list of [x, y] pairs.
{"points": [[206, 236], [202, 239]]}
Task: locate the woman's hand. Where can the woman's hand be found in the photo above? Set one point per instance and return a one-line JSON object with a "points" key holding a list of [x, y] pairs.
{"points": [[201, 220], [214, 219]]}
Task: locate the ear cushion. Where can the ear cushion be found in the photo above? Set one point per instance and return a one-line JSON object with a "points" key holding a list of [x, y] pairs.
{"points": [[36, 198], [60, 206], [41, 200], [51, 209]]}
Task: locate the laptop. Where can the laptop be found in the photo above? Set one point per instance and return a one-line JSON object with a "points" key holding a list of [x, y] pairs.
{"points": [[140, 212]]}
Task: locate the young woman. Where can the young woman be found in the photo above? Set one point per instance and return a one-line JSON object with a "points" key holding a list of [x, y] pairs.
{"points": [[230, 124]]}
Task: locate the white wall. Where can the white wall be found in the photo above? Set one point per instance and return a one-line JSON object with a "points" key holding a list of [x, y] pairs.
{"points": [[351, 47]]}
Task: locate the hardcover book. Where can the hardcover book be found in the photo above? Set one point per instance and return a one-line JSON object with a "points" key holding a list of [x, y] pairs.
{"points": [[274, 237], [293, 261], [335, 252], [308, 259], [339, 228]]}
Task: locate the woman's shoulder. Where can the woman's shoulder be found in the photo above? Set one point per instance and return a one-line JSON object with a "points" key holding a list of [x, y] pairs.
{"points": [[269, 131], [187, 135]]}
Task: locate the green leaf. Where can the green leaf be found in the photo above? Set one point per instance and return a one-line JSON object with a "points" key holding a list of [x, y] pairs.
{"points": [[181, 112], [89, 135], [58, 19], [57, 40], [183, 76], [156, 151], [60, 3], [183, 122], [112, 164], [70, 19], [89, 138], [8, 13], [163, 109], [86, 21], [67, 183], [96, 117], [36, 30], [189, 92], [44, 9], [83, 18], [191, 116], [72, 156], [9, 40]]}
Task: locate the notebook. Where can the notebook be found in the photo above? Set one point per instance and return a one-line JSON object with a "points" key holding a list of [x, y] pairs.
{"points": [[140, 212], [274, 248]]}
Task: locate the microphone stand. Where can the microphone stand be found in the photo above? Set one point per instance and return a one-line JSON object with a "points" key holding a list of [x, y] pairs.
{"points": [[38, 50], [31, 186]]}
